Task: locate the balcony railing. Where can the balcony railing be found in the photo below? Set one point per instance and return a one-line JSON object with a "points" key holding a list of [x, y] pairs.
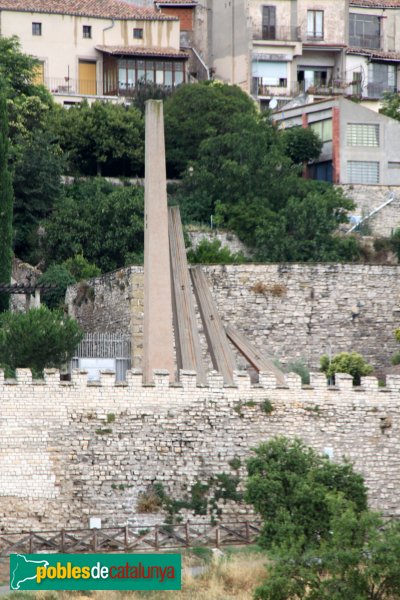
{"points": [[336, 87], [80, 87], [371, 42], [272, 32]]}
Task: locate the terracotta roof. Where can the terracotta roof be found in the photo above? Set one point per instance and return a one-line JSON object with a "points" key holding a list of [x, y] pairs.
{"points": [[106, 9], [134, 51], [376, 3], [378, 54]]}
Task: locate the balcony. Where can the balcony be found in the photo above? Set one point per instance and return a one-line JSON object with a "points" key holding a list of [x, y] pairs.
{"points": [[79, 87], [337, 87], [369, 42], [273, 33]]}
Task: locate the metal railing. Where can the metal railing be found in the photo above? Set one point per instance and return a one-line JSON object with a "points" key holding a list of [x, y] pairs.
{"points": [[143, 538], [371, 42], [272, 32], [104, 345]]}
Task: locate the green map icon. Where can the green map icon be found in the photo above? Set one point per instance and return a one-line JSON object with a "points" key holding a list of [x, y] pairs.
{"points": [[24, 569]]}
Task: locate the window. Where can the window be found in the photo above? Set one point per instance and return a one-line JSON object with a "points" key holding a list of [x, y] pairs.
{"points": [[363, 172], [364, 31], [87, 31], [268, 23], [138, 34], [323, 129], [315, 24], [270, 73], [359, 134], [36, 29], [381, 78], [130, 73]]}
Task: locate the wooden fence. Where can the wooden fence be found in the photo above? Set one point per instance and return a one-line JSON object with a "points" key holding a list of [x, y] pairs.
{"points": [[130, 539]]}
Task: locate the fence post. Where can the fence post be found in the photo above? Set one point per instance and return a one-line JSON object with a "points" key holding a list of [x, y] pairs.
{"points": [[217, 537], [126, 537], [30, 543], [187, 534], [62, 540], [247, 532], [94, 540], [156, 536]]}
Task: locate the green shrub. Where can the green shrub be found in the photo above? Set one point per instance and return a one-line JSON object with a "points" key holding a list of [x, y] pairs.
{"points": [[346, 362], [59, 276], [37, 339], [80, 268], [212, 252]]}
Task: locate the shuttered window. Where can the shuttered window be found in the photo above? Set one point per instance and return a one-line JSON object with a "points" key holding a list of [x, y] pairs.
{"points": [[359, 134], [363, 172]]}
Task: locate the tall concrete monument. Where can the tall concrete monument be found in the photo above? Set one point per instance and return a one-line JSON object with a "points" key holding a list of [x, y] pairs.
{"points": [[158, 347]]}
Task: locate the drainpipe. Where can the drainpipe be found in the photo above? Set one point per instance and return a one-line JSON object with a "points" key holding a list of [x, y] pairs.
{"points": [[110, 26]]}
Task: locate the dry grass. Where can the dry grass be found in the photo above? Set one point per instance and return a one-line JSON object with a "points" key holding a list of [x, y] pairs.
{"points": [[231, 578]]}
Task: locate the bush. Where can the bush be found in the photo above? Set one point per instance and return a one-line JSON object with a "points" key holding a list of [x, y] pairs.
{"points": [[59, 276], [346, 362], [290, 486], [37, 339], [212, 252], [80, 268]]}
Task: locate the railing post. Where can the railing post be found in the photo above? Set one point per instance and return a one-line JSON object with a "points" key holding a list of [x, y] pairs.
{"points": [[217, 537], [156, 537], [94, 540], [187, 534], [247, 532], [30, 543], [62, 540], [125, 537]]}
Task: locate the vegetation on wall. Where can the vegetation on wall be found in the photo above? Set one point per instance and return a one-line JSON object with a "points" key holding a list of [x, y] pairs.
{"points": [[346, 362]]}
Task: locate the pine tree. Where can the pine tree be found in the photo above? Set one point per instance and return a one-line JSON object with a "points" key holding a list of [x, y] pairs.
{"points": [[6, 204]]}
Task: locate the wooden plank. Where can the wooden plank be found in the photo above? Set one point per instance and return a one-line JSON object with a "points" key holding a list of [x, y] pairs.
{"points": [[187, 337], [255, 358], [221, 353]]}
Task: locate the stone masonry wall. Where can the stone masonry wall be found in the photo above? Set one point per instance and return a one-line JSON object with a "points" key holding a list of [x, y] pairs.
{"points": [[370, 197], [290, 311], [71, 450]]}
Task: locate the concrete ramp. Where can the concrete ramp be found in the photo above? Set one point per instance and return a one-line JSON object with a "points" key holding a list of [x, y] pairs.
{"points": [[218, 344], [187, 339], [257, 360]]}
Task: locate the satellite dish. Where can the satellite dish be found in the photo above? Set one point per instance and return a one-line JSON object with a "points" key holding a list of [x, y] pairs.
{"points": [[273, 103]]}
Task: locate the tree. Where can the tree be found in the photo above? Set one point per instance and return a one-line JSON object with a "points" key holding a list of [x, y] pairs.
{"points": [[391, 105], [346, 362], [195, 113], [100, 220], [102, 139], [6, 203], [358, 561], [59, 276], [37, 187], [17, 70], [301, 144], [244, 179], [291, 486], [37, 339]]}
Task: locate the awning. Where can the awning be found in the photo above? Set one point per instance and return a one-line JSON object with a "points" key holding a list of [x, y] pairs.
{"points": [[139, 51]]}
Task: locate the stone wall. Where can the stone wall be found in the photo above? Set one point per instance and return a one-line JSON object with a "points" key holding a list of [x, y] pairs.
{"points": [[370, 197], [290, 311], [73, 450]]}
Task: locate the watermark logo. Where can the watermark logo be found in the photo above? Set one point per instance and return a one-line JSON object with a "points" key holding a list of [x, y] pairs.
{"points": [[95, 572]]}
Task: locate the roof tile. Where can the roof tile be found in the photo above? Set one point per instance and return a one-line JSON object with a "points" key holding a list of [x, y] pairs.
{"points": [[140, 51], [107, 9]]}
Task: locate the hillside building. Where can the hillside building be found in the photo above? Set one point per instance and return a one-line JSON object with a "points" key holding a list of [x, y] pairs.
{"points": [[96, 49]]}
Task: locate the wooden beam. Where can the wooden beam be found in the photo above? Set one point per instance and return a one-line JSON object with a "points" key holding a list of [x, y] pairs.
{"points": [[221, 353], [187, 339], [257, 360]]}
